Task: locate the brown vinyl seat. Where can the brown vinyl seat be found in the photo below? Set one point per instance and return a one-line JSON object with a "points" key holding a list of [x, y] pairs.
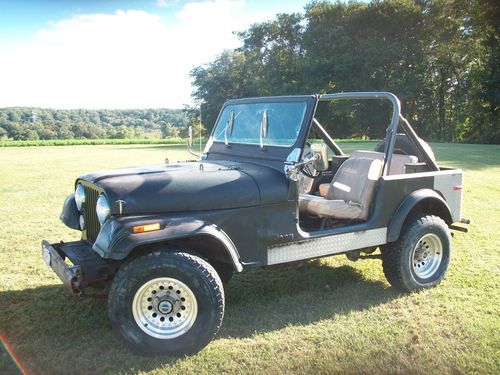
{"points": [[350, 193], [398, 162]]}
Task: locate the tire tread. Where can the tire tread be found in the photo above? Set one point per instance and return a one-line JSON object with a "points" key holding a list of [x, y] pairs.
{"points": [[393, 253], [154, 259]]}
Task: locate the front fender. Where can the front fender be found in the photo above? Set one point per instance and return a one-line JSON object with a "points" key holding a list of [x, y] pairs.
{"points": [[410, 202], [116, 239]]}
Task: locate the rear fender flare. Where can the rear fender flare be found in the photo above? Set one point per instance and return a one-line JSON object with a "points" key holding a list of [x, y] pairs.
{"points": [[411, 201]]}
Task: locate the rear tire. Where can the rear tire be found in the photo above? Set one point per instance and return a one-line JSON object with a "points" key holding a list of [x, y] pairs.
{"points": [[166, 303], [420, 257]]}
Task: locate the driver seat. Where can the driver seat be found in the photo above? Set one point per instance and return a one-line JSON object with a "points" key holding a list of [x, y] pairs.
{"points": [[350, 193]]}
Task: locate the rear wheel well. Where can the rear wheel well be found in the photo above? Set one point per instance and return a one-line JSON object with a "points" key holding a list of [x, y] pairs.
{"points": [[428, 206]]}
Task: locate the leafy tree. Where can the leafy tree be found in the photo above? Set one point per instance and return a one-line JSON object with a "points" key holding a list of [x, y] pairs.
{"points": [[170, 131], [440, 57], [218, 81], [194, 120]]}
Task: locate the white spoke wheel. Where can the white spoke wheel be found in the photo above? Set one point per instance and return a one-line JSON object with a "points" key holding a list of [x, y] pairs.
{"points": [[420, 257], [166, 302], [427, 256], [164, 308]]}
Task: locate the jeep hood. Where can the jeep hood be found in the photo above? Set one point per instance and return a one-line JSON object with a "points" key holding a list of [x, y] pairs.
{"points": [[190, 186]]}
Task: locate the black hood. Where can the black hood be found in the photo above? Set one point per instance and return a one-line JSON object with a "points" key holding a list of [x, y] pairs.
{"points": [[190, 186]]}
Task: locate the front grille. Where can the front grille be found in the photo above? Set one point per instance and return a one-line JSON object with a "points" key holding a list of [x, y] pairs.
{"points": [[92, 226]]}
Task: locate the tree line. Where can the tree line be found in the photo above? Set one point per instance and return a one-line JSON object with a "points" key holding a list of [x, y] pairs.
{"points": [[22, 123], [441, 58]]}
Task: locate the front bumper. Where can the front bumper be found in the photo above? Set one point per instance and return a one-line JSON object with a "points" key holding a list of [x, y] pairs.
{"points": [[87, 267]]}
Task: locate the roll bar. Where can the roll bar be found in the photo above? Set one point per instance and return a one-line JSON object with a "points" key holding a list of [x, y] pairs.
{"points": [[393, 127]]}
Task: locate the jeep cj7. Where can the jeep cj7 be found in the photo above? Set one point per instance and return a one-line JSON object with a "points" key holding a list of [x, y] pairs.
{"points": [[166, 237]]}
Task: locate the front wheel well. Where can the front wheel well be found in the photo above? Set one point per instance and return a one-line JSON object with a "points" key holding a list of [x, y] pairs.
{"points": [[204, 245]]}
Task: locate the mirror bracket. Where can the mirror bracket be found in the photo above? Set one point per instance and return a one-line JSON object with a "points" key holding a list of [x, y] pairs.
{"points": [[190, 142]]}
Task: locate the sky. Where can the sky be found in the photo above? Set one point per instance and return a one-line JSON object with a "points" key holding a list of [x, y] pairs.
{"points": [[68, 54]]}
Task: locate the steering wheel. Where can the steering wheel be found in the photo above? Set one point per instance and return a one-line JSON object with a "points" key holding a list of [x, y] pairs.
{"points": [[309, 169]]}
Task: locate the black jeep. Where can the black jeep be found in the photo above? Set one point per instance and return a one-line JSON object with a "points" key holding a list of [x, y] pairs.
{"points": [[166, 237]]}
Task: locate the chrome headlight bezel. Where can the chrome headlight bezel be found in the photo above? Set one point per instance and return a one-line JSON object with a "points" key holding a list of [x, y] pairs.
{"points": [[81, 222], [79, 197], [102, 209]]}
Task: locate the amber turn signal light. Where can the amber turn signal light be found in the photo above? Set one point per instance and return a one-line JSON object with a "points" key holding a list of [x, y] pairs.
{"points": [[146, 228]]}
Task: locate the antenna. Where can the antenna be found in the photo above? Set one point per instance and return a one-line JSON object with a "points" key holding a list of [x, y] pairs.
{"points": [[201, 127]]}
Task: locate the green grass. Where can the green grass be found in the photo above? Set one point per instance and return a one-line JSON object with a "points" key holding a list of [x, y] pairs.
{"points": [[328, 316]]}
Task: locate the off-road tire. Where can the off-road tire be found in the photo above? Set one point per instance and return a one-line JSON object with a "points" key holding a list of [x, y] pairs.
{"points": [[398, 258], [197, 274], [404, 146]]}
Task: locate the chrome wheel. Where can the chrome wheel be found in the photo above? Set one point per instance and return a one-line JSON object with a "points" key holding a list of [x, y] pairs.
{"points": [[427, 256], [164, 308]]}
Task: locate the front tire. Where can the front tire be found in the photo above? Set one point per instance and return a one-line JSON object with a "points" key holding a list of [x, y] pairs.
{"points": [[224, 270], [420, 257], [166, 303]]}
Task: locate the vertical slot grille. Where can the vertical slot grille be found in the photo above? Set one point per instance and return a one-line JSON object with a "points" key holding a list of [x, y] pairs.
{"points": [[92, 226]]}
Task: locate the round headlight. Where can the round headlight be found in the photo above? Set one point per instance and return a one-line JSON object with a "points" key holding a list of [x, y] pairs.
{"points": [[102, 209], [79, 197]]}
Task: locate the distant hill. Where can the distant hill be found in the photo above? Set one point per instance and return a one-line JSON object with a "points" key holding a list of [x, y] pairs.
{"points": [[27, 123]]}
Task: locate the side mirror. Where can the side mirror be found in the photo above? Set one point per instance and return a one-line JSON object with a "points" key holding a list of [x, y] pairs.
{"points": [[190, 142]]}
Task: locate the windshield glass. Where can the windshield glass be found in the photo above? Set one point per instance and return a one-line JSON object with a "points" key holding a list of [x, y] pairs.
{"points": [[241, 123]]}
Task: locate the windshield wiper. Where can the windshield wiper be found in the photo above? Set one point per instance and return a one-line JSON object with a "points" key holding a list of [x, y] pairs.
{"points": [[229, 126], [263, 129]]}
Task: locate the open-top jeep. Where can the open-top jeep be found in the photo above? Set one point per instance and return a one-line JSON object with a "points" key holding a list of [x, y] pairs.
{"points": [[166, 237]]}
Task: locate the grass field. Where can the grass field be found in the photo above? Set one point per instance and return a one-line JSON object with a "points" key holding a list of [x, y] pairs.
{"points": [[329, 316]]}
